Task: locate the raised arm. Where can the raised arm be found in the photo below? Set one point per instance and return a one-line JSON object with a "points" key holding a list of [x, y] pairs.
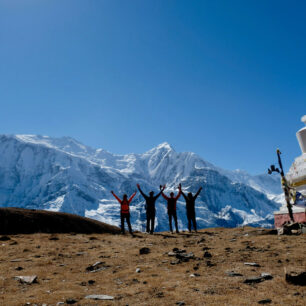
{"points": [[161, 190], [196, 195], [116, 197], [132, 196], [164, 196], [180, 192], [144, 195], [184, 195]]}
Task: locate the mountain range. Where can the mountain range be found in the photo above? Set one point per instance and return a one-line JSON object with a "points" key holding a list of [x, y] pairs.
{"points": [[62, 174]]}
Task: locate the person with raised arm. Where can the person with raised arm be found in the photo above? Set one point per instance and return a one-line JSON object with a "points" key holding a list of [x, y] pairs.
{"points": [[125, 210], [190, 203], [150, 208], [171, 206]]}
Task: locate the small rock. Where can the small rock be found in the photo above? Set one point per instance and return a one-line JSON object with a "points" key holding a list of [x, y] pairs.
{"points": [[266, 276], [194, 275], [233, 274], [135, 281], [171, 254], [27, 279], [97, 266], [201, 240], [184, 256], [207, 255], [253, 264], [178, 251], [118, 281], [71, 301], [59, 303], [91, 282], [144, 251], [19, 268], [296, 278], [209, 263], [175, 262], [253, 280], [261, 278], [138, 270], [290, 229], [80, 253], [160, 294], [265, 301], [5, 238], [180, 303], [99, 297]]}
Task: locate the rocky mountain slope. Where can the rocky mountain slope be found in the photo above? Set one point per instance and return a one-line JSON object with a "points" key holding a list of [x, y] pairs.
{"points": [[61, 174]]}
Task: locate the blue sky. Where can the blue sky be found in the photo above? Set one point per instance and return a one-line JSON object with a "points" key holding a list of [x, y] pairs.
{"points": [[224, 79]]}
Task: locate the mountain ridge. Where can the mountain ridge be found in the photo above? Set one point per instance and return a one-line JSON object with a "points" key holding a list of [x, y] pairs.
{"points": [[62, 174]]}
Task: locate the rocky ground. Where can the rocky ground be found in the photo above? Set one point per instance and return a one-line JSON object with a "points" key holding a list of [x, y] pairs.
{"points": [[242, 266]]}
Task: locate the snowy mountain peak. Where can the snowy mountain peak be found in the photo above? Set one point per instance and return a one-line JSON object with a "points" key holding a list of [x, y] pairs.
{"points": [[62, 174], [66, 144], [163, 147]]}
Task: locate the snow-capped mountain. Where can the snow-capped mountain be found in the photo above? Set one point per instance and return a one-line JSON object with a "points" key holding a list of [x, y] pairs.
{"points": [[61, 174]]}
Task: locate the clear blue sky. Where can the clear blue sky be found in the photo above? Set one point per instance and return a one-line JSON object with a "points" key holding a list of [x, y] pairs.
{"points": [[224, 79]]}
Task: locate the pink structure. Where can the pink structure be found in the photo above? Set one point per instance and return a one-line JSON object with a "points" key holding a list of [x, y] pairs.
{"points": [[281, 218]]}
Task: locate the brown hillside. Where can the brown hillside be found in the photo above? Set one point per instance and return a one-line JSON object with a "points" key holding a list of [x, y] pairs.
{"points": [[29, 221], [215, 275]]}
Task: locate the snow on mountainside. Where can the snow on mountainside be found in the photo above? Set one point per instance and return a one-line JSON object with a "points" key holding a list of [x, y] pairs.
{"points": [[61, 174]]}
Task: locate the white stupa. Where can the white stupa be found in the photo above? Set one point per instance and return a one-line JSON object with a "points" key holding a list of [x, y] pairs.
{"points": [[296, 176]]}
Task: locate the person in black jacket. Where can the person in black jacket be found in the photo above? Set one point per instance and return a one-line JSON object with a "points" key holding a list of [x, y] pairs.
{"points": [[150, 208], [190, 203], [171, 207]]}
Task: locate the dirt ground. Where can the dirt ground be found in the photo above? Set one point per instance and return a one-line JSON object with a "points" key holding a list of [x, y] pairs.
{"points": [[60, 265]]}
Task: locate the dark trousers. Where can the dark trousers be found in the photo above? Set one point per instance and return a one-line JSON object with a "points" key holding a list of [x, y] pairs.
{"points": [[172, 214], [150, 221], [127, 218], [191, 218]]}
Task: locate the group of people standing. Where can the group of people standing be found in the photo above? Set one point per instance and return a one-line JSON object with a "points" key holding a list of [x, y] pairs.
{"points": [[150, 208]]}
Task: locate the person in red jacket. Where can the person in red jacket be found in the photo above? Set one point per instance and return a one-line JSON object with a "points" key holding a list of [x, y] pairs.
{"points": [[171, 206], [125, 210]]}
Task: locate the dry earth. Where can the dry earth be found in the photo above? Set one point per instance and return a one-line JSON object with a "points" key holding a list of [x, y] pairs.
{"points": [[60, 265]]}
